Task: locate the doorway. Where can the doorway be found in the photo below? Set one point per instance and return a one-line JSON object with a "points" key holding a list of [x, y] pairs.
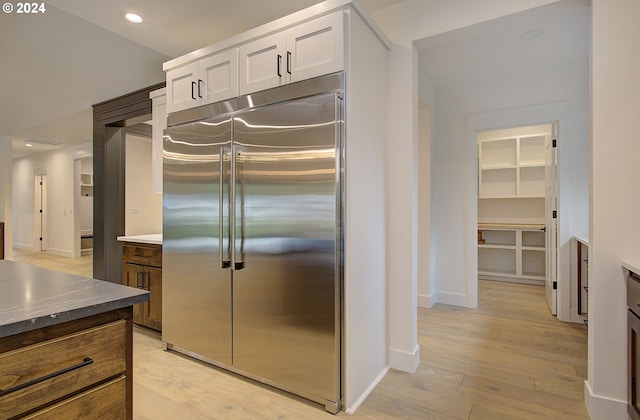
{"points": [[83, 204], [516, 200], [40, 211]]}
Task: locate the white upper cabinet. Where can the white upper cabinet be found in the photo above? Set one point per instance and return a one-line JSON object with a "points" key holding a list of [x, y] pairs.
{"points": [[313, 48], [308, 50], [210, 79], [316, 47], [262, 64]]}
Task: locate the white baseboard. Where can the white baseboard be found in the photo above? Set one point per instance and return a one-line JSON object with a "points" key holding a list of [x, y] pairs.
{"points": [[603, 408], [456, 299], [405, 361], [22, 246], [352, 409], [427, 301], [60, 252]]}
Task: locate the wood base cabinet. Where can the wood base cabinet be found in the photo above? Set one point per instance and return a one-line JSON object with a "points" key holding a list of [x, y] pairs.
{"points": [[77, 369], [142, 268]]}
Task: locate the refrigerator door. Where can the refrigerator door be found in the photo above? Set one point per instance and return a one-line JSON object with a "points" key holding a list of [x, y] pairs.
{"points": [[286, 283], [195, 250]]}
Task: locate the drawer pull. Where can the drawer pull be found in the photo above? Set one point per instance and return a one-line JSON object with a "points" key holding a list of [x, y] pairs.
{"points": [[85, 362]]}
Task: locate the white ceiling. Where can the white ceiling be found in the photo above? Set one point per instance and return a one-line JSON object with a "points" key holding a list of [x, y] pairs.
{"points": [[495, 49], [55, 65]]}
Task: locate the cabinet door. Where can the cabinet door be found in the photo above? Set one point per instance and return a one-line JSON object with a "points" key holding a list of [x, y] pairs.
{"points": [[182, 87], [262, 63], [218, 77], [153, 309], [133, 276], [315, 48]]}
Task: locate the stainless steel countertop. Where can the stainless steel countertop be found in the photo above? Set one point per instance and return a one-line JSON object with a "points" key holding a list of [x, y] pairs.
{"points": [[32, 297]]}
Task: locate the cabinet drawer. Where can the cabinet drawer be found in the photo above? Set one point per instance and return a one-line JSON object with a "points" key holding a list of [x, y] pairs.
{"points": [[143, 255], [55, 368], [107, 401]]}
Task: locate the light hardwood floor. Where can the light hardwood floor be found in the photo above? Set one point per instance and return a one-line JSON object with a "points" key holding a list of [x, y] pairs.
{"points": [[508, 359]]}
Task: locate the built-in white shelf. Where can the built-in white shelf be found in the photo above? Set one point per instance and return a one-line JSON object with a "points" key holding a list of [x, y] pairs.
{"points": [[512, 167], [86, 185], [512, 252]]}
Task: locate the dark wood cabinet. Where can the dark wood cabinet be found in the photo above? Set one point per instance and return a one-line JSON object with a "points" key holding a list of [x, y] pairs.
{"points": [[142, 268], [69, 369]]}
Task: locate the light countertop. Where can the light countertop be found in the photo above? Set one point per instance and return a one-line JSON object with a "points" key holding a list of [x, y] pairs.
{"points": [[509, 226], [632, 264], [581, 239], [155, 239], [34, 297]]}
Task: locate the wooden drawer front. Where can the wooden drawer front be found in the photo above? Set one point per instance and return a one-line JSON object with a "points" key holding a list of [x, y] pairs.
{"points": [[107, 401], [104, 345], [144, 255]]}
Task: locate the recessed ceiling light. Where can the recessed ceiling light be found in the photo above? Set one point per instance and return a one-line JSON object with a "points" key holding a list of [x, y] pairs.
{"points": [[533, 34], [28, 145], [133, 18]]}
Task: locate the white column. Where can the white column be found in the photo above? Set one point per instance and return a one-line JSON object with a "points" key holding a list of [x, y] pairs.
{"points": [[6, 165], [614, 223], [402, 155]]}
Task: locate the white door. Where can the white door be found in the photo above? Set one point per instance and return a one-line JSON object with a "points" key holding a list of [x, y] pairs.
{"points": [[551, 218], [41, 212]]}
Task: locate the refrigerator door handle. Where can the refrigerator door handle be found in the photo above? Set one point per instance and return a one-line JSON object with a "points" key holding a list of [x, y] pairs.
{"points": [[237, 192], [225, 258]]}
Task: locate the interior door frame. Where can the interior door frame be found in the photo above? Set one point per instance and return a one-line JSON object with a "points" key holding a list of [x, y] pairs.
{"points": [[551, 219], [40, 213], [77, 170], [109, 118], [522, 116]]}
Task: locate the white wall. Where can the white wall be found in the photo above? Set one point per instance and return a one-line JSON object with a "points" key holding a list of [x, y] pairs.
{"points": [[86, 201], [59, 165], [5, 194], [615, 221], [427, 104], [365, 283], [404, 23], [424, 207], [143, 208]]}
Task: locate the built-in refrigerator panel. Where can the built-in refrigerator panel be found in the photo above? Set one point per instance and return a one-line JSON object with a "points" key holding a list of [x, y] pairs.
{"points": [[195, 249], [286, 283]]}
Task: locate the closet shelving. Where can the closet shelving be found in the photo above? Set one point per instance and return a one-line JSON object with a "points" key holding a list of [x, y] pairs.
{"points": [[512, 167], [512, 252], [86, 185]]}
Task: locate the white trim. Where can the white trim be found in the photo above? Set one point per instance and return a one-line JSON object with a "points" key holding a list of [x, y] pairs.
{"points": [[457, 299], [600, 407], [60, 252], [365, 394], [18, 245], [427, 301], [405, 361]]}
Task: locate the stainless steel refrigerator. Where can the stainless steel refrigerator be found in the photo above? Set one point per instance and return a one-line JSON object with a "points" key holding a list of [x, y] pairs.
{"points": [[252, 245]]}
